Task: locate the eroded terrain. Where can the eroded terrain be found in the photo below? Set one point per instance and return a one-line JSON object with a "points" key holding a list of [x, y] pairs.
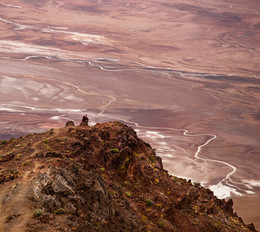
{"points": [[184, 74]]}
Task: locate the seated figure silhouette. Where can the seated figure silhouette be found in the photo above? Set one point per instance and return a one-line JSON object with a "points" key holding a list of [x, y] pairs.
{"points": [[84, 121]]}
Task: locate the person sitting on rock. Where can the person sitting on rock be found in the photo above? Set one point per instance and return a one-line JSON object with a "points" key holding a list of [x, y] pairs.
{"points": [[84, 121]]}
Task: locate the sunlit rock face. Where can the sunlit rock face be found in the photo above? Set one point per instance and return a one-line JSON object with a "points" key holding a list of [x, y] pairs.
{"points": [[184, 74]]}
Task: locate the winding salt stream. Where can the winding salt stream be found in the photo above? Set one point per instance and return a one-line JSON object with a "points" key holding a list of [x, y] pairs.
{"points": [[222, 189]]}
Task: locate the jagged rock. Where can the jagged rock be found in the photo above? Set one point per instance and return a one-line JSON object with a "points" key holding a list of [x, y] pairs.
{"points": [[83, 123], [69, 123]]}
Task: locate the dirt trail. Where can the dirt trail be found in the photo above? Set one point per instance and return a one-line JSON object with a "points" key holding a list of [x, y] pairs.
{"points": [[15, 203]]}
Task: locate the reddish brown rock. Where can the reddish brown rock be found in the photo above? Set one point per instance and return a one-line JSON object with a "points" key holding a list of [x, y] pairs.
{"points": [[104, 178]]}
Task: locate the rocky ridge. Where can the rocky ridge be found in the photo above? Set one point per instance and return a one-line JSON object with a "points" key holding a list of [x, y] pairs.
{"points": [[101, 178]]}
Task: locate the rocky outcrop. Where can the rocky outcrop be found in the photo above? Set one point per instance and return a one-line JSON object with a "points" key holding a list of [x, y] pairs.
{"points": [[101, 178], [84, 196]]}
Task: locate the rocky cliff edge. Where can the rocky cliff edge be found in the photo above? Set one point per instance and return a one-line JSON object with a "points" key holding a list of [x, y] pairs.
{"points": [[100, 178]]}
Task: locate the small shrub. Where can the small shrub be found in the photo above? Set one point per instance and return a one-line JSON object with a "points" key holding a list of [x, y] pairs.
{"points": [[156, 181], [160, 224], [102, 169], [47, 147], [58, 140], [144, 219], [197, 184], [149, 202], [45, 140], [175, 179], [128, 194], [3, 142], [123, 166], [37, 213], [59, 211], [114, 150], [26, 162], [18, 156]]}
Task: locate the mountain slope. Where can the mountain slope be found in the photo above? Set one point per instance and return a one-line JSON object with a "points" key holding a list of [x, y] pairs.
{"points": [[100, 178]]}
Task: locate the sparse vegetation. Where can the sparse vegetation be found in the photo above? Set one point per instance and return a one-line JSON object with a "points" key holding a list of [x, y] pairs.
{"points": [[37, 213], [26, 162], [149, 202], [114, 150], [197, 184], [144, 219], [45, 140], [47, 147], [160, 224], [123, 166], [176, 179], [18, 156], [59, 211], [3, 142], [128, 194]]}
